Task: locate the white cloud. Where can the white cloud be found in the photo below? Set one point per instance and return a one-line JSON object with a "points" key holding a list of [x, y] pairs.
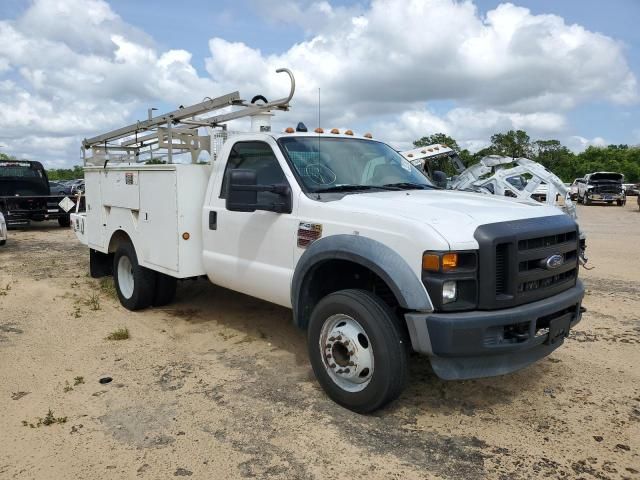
{"points": [[579, 144], [75, 68]]}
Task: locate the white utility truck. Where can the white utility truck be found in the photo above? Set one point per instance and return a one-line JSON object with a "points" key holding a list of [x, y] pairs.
{"points": [[371, 257]]}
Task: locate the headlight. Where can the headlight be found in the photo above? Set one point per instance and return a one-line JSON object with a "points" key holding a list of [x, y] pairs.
{"points": [[451, 279], [449, 291]]}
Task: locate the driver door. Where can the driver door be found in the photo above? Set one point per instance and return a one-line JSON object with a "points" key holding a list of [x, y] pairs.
{"points": [[252, 252]]}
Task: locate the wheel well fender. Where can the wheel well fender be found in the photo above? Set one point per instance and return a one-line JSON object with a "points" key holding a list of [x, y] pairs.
{"points": [[118, 238], [368, 255]]}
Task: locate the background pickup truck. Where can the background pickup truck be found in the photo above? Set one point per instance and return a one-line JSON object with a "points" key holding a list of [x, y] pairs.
{"points": [[602, 187], [25, 194]]}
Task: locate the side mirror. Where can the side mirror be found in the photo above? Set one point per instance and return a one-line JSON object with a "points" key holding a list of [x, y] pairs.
{"points": [[242, 193], [239, 198], [440, 179]]}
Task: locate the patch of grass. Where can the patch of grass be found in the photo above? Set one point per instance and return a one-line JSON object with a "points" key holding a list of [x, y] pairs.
{"points": [[77, 313], [93, 302], [120, 334], [67, 388], [49, 419], [5, 290], [78, 380], [108, 288]]}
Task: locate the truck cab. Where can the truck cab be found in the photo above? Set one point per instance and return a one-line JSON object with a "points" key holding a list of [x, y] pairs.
{"points": [[373, 260]]}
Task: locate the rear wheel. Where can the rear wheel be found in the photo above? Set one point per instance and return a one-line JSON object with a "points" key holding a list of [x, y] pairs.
{"points": [[357, 350], [621, 203], [135, 284], [165, 291]]}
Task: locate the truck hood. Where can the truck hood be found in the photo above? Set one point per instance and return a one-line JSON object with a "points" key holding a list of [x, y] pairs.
{"points": [[605, 177], [454, 215]]}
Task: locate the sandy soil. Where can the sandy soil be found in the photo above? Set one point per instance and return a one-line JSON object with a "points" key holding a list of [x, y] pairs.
{"points": [[218, 385]]}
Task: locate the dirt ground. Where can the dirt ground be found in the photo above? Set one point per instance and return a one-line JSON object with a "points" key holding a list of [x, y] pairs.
{"points": [[218, 385]]}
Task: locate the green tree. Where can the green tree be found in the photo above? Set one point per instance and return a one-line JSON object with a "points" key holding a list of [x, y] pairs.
{"points": [[440, 138], [514, 144]]}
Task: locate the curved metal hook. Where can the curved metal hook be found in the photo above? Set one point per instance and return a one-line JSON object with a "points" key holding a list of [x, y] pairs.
{"points": [[283, 102]]}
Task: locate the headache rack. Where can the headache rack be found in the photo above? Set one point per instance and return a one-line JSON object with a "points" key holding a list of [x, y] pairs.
{"points": [[159, 139]]}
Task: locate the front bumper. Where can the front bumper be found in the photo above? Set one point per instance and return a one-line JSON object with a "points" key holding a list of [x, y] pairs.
{"points": [[605, 197], [488, 343]]}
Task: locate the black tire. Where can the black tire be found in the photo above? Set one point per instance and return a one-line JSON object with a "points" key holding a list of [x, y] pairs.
{"points": [[620, 203], [386, 338], [64, 221], [165, 291], [587, 200], [144, 280]]}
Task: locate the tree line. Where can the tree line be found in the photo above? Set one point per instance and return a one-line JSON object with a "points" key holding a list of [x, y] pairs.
{"points": [[552, 154]]}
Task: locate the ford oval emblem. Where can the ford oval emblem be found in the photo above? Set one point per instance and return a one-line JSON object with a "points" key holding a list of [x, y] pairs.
{"points": [[554, 261]]}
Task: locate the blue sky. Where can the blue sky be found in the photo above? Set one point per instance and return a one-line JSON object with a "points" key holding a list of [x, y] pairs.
{"points": [[240, 21], [585, 96]]}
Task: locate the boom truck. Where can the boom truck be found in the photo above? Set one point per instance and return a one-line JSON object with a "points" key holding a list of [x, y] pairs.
{"points": [[373, 260]]}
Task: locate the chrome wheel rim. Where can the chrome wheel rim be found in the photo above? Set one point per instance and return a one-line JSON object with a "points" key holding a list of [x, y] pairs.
{"points": [[347, 353], [125, 277]]}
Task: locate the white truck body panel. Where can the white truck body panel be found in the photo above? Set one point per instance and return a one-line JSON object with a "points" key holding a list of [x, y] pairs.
{"points": [[154, 205]]}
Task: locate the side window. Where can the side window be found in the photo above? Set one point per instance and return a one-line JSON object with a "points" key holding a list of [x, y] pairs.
{"points": [[257, 156]]}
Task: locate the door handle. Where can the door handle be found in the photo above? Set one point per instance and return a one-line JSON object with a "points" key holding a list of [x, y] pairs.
{"points": [[213, 220]]}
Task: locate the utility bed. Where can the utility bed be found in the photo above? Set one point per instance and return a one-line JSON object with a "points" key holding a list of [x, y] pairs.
{"points": [[159, 206]]}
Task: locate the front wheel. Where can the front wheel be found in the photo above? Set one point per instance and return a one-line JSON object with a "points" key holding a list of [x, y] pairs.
{"points": [[358, 350], [134, 283]]}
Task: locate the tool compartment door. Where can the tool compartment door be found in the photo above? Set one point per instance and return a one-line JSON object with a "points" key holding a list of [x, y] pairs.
{"points": [[158, 219]]}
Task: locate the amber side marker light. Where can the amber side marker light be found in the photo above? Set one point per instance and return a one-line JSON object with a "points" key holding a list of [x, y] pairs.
{"points": [[430, 262], [368, 135], [289, 130], [335, 131], [449, 261], [186, 236], [349, 132], [319, 130]]}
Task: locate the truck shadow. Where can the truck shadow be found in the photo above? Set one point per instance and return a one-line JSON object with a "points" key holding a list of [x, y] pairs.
{"points": [[199, 302]]}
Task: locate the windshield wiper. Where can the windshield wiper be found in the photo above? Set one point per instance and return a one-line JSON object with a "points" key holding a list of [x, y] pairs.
{"points": [[354, 188], [409, 186]]}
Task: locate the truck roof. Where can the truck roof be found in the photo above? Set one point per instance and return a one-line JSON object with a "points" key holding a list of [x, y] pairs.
{"points": [[325, 134]]}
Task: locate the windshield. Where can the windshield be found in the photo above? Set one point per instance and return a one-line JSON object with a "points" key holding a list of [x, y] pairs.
{"points": [[332, 164]]}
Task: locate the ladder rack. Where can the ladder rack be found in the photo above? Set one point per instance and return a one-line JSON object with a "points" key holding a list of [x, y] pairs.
{"points": [[176, 131]]}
